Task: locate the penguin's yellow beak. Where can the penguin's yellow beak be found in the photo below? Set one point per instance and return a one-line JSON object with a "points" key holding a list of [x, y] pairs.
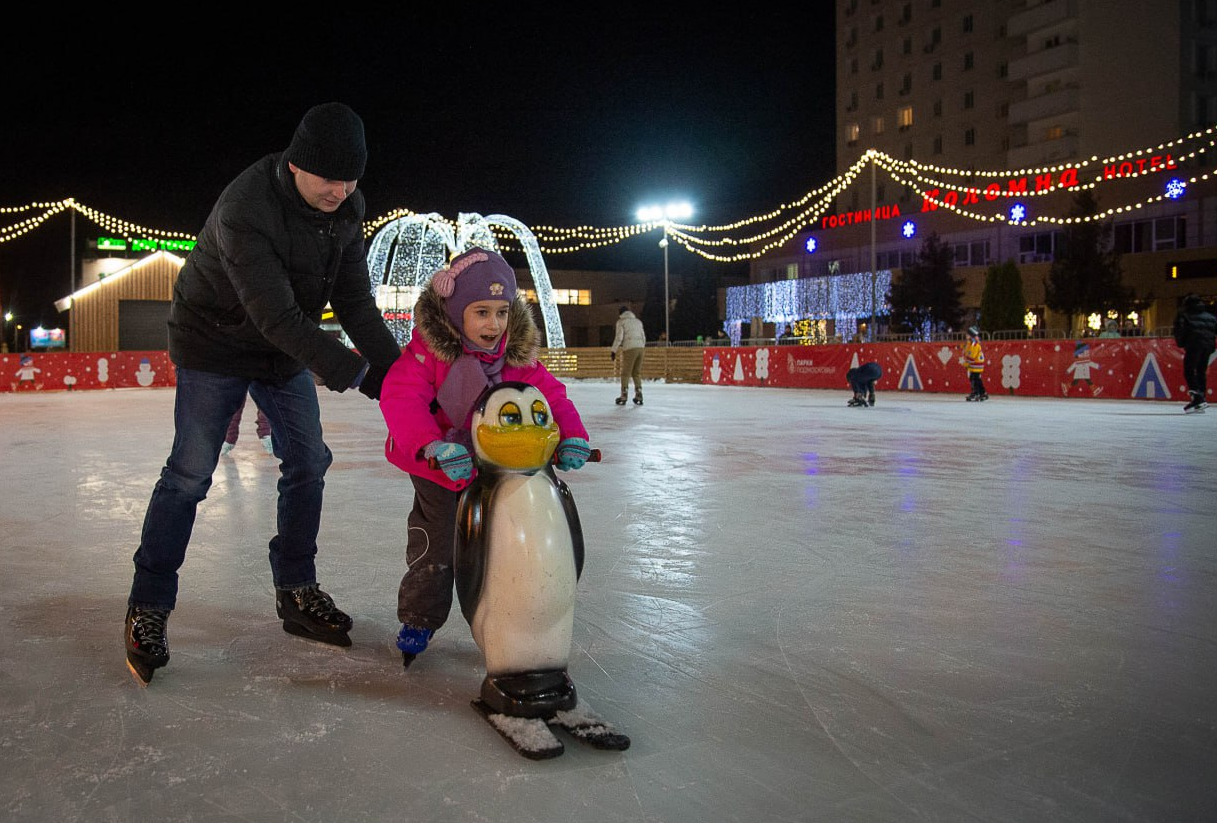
{"points": [[518, 447]]}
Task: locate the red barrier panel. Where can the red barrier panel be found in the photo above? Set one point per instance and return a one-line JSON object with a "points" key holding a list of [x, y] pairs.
{"points": [[67, 371], [1134, 367], [1137, 367]]}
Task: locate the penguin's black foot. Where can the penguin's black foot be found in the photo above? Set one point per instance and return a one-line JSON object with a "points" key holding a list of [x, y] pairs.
{"points": [[530, 736], [406, 659], [586, 726]]}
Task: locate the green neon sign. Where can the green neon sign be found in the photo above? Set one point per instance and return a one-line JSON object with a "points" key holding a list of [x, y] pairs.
{"points": [[150, 244], [143, 244]]}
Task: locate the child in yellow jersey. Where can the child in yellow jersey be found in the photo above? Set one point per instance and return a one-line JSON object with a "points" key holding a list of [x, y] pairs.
{"points": [[974, 361]]}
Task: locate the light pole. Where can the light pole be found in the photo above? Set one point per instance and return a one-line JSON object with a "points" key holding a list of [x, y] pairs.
{"points": [[667, 301], [666, 214]]}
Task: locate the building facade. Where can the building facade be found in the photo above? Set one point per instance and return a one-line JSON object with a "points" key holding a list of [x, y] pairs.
{"points": [[981, 107]]}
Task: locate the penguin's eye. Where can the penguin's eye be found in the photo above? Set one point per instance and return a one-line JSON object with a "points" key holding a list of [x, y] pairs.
{"points": [[540, 413], [509, 415]]}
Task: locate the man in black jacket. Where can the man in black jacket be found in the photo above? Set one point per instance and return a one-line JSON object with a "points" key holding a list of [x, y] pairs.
{"points": [[1195, 332], [284, 240]]}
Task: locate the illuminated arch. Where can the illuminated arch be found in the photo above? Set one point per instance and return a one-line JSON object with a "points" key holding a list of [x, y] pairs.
{"points": [[404, 254]]}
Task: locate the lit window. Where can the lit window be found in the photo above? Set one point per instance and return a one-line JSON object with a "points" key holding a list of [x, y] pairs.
{"points": [[563, 297], [904, 116]]}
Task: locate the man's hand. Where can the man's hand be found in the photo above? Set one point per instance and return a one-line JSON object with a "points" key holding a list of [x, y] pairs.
{"points": [[371, 383]]}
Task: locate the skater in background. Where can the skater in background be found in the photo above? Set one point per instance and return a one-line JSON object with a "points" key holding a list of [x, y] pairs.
{"points": [[234, 431], [1195, 328], [631, 341], [862, 380], [284, 239], [473, 329], [973, 360]]}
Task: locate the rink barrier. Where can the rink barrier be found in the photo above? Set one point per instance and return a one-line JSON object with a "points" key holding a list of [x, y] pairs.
{"points": [[1121, 368]]}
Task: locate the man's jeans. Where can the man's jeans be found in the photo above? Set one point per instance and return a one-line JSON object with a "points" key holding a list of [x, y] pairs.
{"points": [[205, 403]]}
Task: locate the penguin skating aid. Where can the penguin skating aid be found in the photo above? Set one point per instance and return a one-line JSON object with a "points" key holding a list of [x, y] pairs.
{"points": [[517, 558]]}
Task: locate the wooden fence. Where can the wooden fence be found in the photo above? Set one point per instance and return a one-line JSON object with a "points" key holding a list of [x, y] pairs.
{"points": [[672, 364]]}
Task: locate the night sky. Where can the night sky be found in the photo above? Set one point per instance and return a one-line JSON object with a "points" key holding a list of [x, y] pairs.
{"points": [[560, 120]]}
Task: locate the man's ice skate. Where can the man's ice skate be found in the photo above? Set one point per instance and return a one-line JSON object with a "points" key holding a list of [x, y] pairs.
{"points": [[971, 397], [638, 398], [310, 613], [1196, 405], [621, 399], [147, 645], [412, 641]]}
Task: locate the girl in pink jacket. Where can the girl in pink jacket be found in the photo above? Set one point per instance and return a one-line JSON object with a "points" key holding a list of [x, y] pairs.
{"points": [[472, 329]]}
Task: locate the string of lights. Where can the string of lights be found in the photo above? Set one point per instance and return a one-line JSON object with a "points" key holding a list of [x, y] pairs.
{"points": [[753, 237]]}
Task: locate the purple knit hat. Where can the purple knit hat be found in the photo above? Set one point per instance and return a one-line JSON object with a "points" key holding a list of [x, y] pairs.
{"points": [[478, 274]]}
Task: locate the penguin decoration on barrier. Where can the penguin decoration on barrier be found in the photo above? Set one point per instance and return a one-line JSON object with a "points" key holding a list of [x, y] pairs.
{"points": [[517, 559]]}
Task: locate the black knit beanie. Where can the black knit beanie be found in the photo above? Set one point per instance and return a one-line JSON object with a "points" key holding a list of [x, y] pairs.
{"points": [[329, 143]]}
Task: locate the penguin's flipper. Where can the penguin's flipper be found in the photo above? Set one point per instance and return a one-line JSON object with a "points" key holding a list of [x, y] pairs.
{"points": [[572, 518], [469, 550]]}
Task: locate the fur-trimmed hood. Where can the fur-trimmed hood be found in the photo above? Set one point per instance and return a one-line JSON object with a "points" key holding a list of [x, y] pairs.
{"points": [[444, 339], [409, 398]]}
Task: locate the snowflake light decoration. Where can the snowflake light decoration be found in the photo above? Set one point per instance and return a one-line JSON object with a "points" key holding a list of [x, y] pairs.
{"points": [[1175, 188]]}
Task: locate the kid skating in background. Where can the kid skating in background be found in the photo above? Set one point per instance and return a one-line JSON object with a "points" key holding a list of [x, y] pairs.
{"points": [[234, 431], [974, 360], [862, 380], [472, 329]]}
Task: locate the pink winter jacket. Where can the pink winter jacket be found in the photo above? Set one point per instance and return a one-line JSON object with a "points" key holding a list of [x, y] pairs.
{"points": [[408, 396]]}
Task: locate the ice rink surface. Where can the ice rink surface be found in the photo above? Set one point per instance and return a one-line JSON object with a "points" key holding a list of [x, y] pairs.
{"points": [[930, 610]]}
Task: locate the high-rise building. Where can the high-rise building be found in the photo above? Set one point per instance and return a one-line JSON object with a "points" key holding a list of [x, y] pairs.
{"points": [[979, 101], [1004, 84]]}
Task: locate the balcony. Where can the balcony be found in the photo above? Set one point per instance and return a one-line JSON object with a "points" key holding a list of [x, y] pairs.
{"points": [[1041, 16], [1044, 61], [1045, 105], [1044, 152]]}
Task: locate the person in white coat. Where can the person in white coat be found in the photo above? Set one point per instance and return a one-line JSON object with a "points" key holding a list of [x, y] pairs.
{"points": [[631, 341]]}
